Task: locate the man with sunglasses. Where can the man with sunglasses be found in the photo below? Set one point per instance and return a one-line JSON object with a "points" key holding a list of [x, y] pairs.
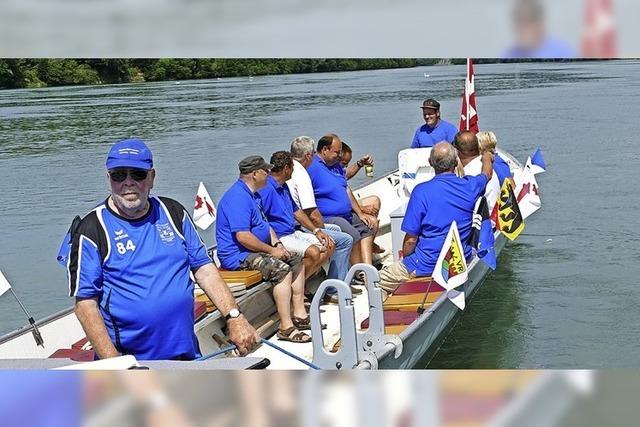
{"points": [[434, 129], [129, 269]]}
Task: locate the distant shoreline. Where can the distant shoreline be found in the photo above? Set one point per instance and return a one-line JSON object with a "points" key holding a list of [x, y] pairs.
{"points": [[31, 73]]}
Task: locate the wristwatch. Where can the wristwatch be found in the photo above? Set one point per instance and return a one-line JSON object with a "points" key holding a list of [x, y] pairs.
{"points": [[275, 245], [234, 313]]}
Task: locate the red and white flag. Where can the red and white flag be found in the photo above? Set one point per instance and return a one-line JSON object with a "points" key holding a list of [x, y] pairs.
{"points": [[599, 36], [527, 193], [204, 211], [469, 114]]}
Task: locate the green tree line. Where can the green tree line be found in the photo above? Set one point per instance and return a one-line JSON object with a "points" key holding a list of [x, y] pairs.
{"points": [[31, 72]]}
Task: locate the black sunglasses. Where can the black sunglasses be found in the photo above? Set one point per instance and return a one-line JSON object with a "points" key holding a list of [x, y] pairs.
{"points": [[120, 175]]}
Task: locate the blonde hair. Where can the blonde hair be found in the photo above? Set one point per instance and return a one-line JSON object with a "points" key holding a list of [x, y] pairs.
{"points": [[487, 141]]}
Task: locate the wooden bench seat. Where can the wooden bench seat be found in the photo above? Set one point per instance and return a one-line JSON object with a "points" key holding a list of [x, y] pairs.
{"points": [[248, 279], [409, 302]]}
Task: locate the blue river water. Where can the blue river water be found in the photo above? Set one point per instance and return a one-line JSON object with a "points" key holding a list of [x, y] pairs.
{"points": [[564, 294]]}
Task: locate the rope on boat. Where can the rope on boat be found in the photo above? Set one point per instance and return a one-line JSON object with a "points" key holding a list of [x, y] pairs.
{"points": [[299, 359], [218, 353]]}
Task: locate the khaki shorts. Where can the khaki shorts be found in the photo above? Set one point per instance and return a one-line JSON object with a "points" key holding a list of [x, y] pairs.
{"points": [[394, 275], [273, 270], [299, 242]]}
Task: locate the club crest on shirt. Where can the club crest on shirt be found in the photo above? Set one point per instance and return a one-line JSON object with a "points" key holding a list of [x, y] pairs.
{"points": [[166, 233]]}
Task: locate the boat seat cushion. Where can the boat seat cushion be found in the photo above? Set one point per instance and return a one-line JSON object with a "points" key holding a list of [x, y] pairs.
{"points": [[418, 285], [394, 317], [74, 354]]}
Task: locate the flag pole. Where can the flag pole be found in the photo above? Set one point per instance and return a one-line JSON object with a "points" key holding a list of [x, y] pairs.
{"points": [[34, 328], [466, 95], [420, 309]]}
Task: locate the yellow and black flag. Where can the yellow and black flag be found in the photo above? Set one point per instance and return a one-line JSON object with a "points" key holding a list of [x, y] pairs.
{"points": [[509, 220]]}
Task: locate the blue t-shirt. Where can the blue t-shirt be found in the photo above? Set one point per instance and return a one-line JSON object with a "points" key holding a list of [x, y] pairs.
{"points": [[549, 48], [239, 210], [427, 136], [433, 206], [330, 190], [338, 169], [139, 272], [501, 168], [278, 206]]}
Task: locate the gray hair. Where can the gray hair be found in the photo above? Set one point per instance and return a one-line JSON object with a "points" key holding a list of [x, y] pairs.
{"points": [[443, 157], [301, 146]]}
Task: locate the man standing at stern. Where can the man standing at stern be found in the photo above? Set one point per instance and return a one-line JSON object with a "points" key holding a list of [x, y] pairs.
{"points": [[434, 129], [129, 269]]}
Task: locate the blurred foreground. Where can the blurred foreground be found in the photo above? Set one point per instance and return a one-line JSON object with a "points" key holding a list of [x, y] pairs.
{"points": [[278, 398], [325, 28]]}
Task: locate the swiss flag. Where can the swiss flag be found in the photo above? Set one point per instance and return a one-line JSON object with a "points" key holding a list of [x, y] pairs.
{"points": [[469, 114], [599, 36]]}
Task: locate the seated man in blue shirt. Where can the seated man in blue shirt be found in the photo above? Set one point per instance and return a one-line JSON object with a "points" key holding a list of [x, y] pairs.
{"points": [[432, 207], [434, 130], [130, 264], [246, 241], [336, 202], [283, 215]]}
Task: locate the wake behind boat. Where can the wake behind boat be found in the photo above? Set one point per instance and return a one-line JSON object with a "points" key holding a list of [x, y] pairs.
{"points": [[361, 331]]}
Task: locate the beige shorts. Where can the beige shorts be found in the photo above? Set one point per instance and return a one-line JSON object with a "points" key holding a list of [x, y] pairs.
{"points": [[394, 275], [299, 242]]}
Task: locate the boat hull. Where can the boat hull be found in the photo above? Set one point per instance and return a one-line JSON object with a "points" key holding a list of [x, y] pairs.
{"points": [[422, 339]]}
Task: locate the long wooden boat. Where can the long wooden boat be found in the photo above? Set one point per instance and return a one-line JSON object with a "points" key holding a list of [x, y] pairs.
{"points": [[361, 331], [344, 344]]}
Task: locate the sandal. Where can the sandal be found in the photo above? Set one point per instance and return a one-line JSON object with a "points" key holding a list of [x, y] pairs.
{"points": [[304, 323], [293, 335]]}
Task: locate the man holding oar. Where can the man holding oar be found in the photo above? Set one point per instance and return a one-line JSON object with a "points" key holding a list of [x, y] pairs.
{"points": [[129, 269]]}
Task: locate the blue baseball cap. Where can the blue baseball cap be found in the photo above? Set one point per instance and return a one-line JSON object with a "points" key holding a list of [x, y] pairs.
{"points": [[130, 153]]}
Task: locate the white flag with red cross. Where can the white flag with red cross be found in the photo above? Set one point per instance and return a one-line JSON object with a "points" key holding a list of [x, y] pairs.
{"points": [[204, 211]]}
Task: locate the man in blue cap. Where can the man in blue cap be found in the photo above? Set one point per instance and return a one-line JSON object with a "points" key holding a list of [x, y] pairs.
{"points": [[129, 269]]}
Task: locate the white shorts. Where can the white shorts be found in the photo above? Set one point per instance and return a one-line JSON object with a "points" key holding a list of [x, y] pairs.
{"points": [[299, 242]]}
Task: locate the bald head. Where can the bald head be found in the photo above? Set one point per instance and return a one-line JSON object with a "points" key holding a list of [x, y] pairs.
{"points": [[443, 157], [466, 143]]}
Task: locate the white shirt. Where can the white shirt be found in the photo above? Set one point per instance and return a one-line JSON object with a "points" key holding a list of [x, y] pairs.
{"points": [[300, 187], [473, 168]]}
